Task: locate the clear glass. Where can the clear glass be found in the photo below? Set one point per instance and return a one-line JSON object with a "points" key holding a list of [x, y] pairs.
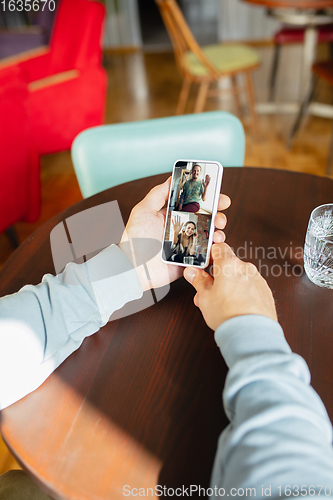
{"points": [[188, 260], [318, 248]]}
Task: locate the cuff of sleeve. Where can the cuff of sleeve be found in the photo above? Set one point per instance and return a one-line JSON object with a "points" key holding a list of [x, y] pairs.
{"points": [[120, 284], [249, 335]]}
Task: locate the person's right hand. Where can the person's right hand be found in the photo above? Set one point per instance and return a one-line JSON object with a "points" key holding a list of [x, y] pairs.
{"points": [[236, 289], [177, 225], [206, 182]]}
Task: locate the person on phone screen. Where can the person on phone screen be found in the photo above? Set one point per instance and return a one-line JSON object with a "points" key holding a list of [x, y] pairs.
{"points": [[184, 239], [194, 190]]}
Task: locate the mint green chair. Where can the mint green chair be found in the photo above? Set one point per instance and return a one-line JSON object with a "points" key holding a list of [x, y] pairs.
{"points": [[109, 155]]}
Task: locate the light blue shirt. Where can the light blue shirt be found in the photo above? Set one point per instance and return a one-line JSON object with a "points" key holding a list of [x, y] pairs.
{"points": [[40, 326], [279, 440]]}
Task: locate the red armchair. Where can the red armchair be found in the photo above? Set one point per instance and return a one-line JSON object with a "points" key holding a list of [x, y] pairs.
{"points": [[66, 82], [48, 96], [19, 163]]}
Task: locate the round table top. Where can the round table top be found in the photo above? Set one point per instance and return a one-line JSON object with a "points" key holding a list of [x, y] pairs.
{"points": [[293, 4], [140, 403]]}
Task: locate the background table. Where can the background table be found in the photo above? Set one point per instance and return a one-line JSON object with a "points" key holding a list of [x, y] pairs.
{"points": [[309, 14], [295, 4], [139, 403]]}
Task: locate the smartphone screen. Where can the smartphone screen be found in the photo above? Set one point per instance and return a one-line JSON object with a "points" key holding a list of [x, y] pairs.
{"points": [[192, 206]]}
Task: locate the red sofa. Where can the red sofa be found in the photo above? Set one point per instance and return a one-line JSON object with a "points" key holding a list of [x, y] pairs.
{"points": [[48, 95], [19, 163]]}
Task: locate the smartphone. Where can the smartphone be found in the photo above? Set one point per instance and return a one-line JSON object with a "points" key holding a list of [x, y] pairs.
{"points": [[192, 206]]}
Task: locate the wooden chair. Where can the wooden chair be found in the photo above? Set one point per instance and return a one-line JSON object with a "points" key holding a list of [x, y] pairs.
{"points": [[321, 70], [208, 64]]}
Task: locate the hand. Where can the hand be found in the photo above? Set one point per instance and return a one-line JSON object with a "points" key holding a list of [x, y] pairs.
{"points": [[206, 181], [147, 221], [236, 289], [180, 206], [177, 226]]}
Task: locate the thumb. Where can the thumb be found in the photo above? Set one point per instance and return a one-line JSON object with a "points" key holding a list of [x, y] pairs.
{"points": [[198, 278], [158, 196]]}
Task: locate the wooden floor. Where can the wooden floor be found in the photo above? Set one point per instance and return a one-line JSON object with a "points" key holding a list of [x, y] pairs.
{"points": [[143, 86]]}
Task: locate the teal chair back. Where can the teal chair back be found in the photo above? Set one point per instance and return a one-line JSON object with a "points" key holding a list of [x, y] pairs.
{"points": [[109, 155]]}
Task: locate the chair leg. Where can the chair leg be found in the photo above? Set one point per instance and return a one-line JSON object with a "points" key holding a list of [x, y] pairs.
{"points": [[183, 96], [202, 96], [236, 94], [252, 104], [12, 236], [330, 156], [302, 111], [275, 65]]}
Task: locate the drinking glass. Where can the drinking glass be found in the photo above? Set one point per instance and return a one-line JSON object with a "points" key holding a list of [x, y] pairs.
{"points": [[188, 260], [318, 248]]}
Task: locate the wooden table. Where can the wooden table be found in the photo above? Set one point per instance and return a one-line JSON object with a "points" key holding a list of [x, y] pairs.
{"points": [[139, 403]]}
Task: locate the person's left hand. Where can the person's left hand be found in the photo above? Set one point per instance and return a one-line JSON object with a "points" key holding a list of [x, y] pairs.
{"points": [[206, 181], [147, 220]]}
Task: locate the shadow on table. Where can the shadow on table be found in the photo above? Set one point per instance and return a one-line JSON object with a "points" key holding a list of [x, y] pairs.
{"points": [[160, 379]]}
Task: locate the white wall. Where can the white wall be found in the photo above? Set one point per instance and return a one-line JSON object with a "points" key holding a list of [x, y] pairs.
{"points": [[122, 27], [241, 21]]}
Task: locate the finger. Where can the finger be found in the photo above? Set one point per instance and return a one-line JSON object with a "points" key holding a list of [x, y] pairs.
{"points": [[220, 221], [163, 212], [224, 202], [225, 262], [222, 251], [218, 237], [158, 196], [198, 278]]}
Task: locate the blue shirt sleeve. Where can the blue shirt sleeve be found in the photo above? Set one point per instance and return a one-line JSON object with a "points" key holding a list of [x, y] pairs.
{"points": [[40, 326], [279, 440]]}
